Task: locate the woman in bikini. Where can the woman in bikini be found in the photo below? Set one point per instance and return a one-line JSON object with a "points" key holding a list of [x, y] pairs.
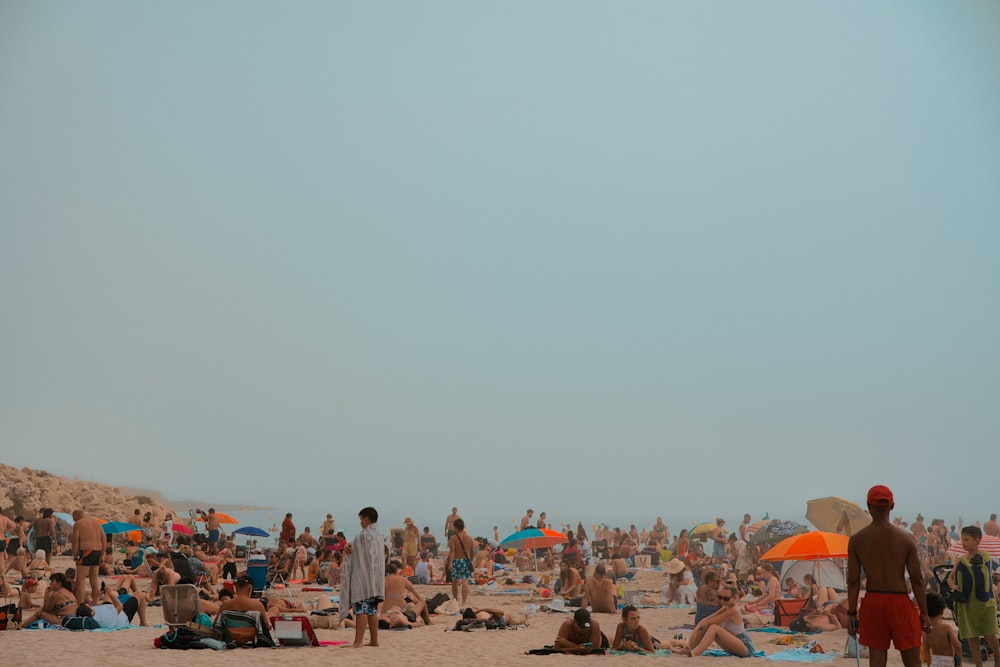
{"points": [[59, 602], [724, 627], [770, 588]]}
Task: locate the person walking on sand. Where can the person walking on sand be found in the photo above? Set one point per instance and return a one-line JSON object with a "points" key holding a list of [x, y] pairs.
{"points": [[363, 587], [449, 523], [887, 554], [89, 543]]}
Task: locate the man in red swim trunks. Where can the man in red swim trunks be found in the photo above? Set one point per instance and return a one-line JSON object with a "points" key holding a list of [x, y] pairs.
{"points": [[887, 554]]}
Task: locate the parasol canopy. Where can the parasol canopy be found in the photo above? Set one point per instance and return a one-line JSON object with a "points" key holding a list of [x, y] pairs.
{"points": [[809, 546], [836, 515], [251, 531], [989, 544], [115, 527], [221, 516], [179, 527], [775, 531], [533, 538], [704, 530]]}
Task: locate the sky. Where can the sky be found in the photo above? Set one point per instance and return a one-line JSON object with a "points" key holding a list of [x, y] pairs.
{"points": [[611, 261]]}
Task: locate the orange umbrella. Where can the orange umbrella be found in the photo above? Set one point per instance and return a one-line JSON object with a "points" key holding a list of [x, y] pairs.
{"points": [[222, 516], [809, 546]]}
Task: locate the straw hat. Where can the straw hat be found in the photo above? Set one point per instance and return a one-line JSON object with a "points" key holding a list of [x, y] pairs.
{"points": [[674, 566], [407, 521]]}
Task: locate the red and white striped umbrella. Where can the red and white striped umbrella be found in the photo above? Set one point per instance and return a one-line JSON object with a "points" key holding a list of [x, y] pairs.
{"points": [[989, 544]]}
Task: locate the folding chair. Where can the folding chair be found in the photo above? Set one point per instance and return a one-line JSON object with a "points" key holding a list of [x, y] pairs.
{"points": [[180, 604], [183, 568], [243, 628], [257, 571], [294, 631]]}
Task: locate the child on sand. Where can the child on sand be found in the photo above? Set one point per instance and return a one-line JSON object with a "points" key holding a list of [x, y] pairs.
{"points": [[941, 645], [363, 586]]}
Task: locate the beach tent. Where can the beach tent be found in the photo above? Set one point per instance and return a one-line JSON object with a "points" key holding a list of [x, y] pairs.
{"points": [[825, 572]]}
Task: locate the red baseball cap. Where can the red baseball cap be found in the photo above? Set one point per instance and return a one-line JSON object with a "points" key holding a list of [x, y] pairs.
{"points": [[880, 495]]}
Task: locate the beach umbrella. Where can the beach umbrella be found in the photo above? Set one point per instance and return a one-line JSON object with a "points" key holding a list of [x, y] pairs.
{"points": [[704, 530], [533, 538], [182, 528], [64, 516], [775, 531], [836, 515], [251, 531], [809, 546], [989, 544], [221, 516], [115, 527]]}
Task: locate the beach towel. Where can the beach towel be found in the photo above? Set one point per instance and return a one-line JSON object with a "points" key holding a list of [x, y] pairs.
{"points": [[658, 653], [802, 654], [719, 653], [364, 570]]}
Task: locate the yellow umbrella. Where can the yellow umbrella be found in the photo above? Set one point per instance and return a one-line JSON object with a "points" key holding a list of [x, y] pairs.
{"points": [[703, 530], [836, 515]]}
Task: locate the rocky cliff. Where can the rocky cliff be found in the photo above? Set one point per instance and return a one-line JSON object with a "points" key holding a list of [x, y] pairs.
{"points": [[23, 491]]}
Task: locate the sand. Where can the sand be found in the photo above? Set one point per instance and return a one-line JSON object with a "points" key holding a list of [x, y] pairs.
{"points": [[432, 645]]}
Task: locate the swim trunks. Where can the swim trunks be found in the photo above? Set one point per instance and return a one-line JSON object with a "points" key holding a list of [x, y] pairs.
{"points": [[13, 545], [213, 536], [367, 607], [90, 557], [943, 661], [44, 543], [885, 617], [461, 568]]}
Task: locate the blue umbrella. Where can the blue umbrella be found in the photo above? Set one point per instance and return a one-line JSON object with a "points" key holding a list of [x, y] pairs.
{"points": [[68, 518], [251, 531], [115, 527]]}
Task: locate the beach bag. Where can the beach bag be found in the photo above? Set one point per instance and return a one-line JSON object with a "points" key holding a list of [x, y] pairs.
{"points": [[80, 623], [855, 650], [10, 615], [179, 638], [434, 602]]}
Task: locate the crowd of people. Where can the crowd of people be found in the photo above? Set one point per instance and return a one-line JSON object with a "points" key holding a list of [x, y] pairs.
{"points": [[718, 572]]}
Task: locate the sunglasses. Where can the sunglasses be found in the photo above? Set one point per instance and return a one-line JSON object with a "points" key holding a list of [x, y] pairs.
{"points": [[726, 598]]}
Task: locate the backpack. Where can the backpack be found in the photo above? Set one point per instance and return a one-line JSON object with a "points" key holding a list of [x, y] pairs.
{"points": [[179, 638]]}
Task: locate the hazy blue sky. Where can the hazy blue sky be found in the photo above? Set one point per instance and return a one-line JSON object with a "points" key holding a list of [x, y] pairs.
{"points": [[616, 259]]}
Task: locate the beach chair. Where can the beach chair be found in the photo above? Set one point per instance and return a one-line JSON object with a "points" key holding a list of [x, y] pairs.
{"points": [[243, 628], [787, 609], [180, 604], [257, 571], [294, 631]]}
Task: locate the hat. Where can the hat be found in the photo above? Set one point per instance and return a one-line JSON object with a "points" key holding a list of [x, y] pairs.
{"points": [[407, 521], [582, 617], [880, 495], [40, 553], [30, 582], [674, 566]]}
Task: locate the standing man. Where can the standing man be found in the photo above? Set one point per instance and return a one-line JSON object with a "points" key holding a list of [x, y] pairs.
{"points": [[887, 554], [449, 523], [212, 524], [287, 535], [45, 533], [89, 542]]}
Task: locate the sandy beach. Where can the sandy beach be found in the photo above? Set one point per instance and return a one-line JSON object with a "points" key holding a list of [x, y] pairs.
{"points": [[429, 645]]}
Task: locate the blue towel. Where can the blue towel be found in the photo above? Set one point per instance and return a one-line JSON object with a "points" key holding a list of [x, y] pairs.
{"points": [[719, 653], [801, 655]]}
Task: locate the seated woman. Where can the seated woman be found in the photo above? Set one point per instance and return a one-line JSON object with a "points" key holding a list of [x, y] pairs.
{"points": [[570, 584], [770, 589], [164, 576], [59, 602], [334, 573], [819, 596], [631, 636], [38, 568], [707, 600], [724, 627]]}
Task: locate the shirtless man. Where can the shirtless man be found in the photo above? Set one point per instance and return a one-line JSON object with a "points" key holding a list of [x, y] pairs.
{"points": [[6, 526], [449, 522], [243, 601], [59, 602], [580, 634], [991, 527], [526, 519], [599, 592], [45, 533], [887, 554], [212, 525], [401, 595], [89, 543]]}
